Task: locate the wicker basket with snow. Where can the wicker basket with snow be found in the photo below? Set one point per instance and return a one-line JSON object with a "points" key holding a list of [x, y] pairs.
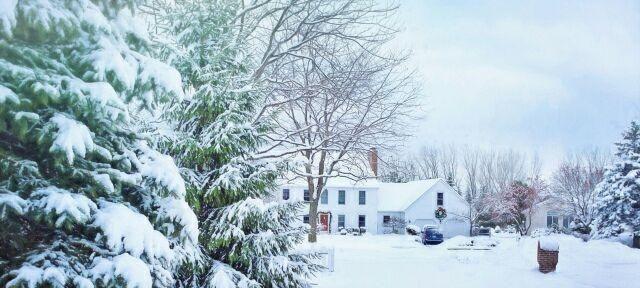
{"points": [[547, 255]]}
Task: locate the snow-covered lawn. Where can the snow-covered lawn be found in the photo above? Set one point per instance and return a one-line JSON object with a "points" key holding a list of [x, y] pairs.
{"points": [[398, 261]]}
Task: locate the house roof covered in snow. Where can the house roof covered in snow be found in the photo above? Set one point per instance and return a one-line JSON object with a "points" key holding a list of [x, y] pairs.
{"points": [[399, 196]]}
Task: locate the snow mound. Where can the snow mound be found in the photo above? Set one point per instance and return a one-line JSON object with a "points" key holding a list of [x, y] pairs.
{"points": [[463, 241], [548, 244]]}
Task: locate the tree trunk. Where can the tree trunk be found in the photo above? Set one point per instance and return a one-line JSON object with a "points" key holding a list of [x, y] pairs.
{"points": [[313, 221], [470, 223]]}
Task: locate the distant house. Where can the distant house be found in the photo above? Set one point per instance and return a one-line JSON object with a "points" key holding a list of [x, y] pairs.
{"points": [[371, 204], [550, 215], [416, 202]]}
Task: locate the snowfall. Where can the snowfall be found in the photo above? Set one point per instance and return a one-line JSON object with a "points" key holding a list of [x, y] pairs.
{"points": [[399, 261]]}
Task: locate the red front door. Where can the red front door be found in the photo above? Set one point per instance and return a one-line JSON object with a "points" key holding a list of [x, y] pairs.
{"points": [[324, 222]]}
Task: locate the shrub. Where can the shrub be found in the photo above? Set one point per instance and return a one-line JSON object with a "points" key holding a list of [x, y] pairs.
{"points": [[412, 229]]}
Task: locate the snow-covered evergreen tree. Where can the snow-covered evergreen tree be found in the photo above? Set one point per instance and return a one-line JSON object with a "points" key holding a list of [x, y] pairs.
{"points": [[618, 202], [247, 240], [84, 200]]}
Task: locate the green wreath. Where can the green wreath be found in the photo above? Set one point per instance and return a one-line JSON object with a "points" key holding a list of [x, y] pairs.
{"points": [[441, 213]]}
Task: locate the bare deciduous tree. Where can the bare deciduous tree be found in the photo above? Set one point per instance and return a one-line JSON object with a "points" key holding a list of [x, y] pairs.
{"points": [[475, 194], [289, 31], [396, 169], [439, 162], [346, 100], [573, 185], [449, 166], [428, 161]]}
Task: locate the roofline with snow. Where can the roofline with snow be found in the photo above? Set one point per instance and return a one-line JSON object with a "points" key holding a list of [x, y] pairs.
{"points": [[439, 180]]}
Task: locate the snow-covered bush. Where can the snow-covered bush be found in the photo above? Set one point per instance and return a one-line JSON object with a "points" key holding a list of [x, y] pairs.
{"points": [[540, 232], [85, 201], [510, 229], [412, 229], [584, 237]]}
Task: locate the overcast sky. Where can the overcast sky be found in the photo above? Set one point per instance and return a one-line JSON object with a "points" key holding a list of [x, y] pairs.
{"points": [[542, 76]]}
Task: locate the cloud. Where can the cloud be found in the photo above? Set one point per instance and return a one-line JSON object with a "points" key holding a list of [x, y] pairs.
{"points": [[536, 76]]}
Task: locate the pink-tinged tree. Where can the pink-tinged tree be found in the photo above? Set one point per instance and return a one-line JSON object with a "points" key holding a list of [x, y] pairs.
{"points": [[518, 202]]}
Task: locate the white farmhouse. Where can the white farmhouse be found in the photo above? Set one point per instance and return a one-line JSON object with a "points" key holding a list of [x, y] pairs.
{"points": [[416, 202], [371, 204], [344, 203]]}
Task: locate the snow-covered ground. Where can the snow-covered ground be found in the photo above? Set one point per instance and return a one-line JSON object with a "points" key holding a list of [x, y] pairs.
{"points": [[399, 261]]}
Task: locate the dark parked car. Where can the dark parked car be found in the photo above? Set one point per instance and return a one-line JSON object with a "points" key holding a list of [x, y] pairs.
{"points": [[484, 232], [431, 235], [481, 231]]}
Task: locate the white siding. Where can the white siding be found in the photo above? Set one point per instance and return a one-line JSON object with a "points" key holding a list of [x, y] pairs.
{"points": [[422, 211], [419, 213], [351, 209], [381, 228], [539, 217]]}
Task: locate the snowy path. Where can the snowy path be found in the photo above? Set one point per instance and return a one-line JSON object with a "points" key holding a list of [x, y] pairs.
{"points": [[398, 261]]}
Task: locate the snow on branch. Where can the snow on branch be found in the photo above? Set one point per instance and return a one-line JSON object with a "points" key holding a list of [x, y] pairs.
{"points": [[125, 230], [67, 206], [132, 270], [161, 168], [73, 138]]}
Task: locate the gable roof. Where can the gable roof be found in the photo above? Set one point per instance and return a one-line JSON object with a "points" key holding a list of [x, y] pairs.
{"points": [[399, 196]]}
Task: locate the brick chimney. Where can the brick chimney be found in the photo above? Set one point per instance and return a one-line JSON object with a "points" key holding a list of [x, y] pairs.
{"points": [[373, 160]]}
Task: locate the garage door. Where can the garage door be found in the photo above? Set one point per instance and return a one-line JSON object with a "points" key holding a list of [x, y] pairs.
{"points": [[454, 227]]}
